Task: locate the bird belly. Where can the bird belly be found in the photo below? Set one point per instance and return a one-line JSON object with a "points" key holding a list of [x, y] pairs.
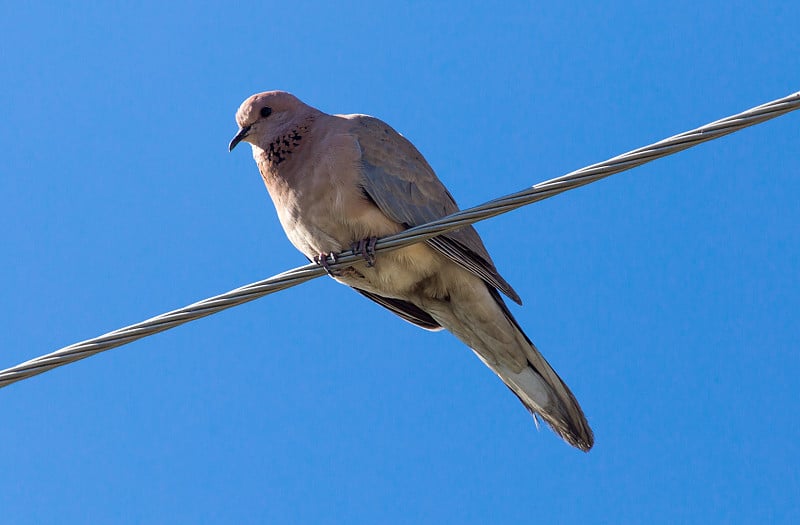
{"points": [[407, 273]]}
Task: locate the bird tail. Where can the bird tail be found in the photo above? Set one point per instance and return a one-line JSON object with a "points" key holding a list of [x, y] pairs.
{"points": [[544, 394], [558, 407], [526, 373]]}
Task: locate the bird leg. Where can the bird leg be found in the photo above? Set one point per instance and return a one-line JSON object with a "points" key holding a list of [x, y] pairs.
{"points": [[366, 247], [322, 260]]}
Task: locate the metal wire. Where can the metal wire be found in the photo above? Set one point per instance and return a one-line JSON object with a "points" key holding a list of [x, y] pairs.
{"points": [[421, 233]]}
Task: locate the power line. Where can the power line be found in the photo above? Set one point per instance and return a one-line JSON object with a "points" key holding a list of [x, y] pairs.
{"points": [[290, 278]]}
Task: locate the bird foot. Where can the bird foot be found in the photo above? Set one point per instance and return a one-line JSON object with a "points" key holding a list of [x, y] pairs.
{"points": [[366, 247], [323, 260]]}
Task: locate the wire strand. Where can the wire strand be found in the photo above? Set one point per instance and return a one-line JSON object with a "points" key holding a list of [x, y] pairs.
{"points": [[541, 191]]}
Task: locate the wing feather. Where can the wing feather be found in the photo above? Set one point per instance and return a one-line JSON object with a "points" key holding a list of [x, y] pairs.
{"points": [[403, 185], [408, 311]]}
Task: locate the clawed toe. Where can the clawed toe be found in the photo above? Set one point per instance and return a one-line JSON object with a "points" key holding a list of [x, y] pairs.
{"points": [[322, 260], [366, 248]]}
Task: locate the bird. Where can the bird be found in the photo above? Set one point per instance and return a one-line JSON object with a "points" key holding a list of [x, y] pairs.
{"points": [[341, 182]]}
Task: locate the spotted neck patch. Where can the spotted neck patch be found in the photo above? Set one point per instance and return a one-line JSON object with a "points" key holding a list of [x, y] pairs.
{"points": [[282, 147]]}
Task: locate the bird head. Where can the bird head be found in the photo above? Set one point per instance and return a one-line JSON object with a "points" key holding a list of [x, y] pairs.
{"points": [[264, 116]]}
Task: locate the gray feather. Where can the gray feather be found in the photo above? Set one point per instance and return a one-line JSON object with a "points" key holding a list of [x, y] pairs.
{"points": [[387, 160], [408, 311]]}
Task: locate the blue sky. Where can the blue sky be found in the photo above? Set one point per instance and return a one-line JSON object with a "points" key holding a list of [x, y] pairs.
{"points": [[666, 297]]}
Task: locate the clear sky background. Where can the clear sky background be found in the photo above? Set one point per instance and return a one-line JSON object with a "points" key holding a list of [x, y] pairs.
{"points": [[667, 297]]}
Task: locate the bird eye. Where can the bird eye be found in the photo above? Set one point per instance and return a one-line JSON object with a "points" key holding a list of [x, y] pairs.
{"points": [[266, 111]]}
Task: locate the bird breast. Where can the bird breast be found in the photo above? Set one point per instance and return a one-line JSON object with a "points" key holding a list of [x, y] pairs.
{"points": [[322, 208]]}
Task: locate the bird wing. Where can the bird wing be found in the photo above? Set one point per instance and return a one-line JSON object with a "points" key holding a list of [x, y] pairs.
{"points": [[408, 311], [398, 179]]}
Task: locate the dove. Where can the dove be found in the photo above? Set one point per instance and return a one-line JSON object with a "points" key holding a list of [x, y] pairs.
{"points": [[342, 181]]}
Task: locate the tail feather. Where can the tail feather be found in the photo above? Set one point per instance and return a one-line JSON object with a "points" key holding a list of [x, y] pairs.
{"points": [[543, 392], [553, 402], [490, 330]]}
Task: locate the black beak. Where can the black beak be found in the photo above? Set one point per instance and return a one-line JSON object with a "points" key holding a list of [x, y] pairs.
{"points": [[239, 137]]}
